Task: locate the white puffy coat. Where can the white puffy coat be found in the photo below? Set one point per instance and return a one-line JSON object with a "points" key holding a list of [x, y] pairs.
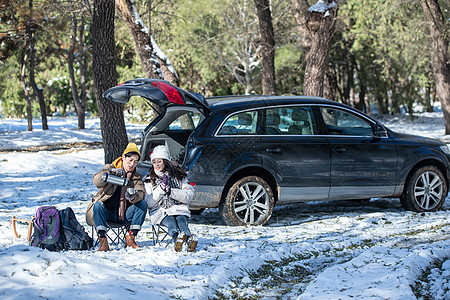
{"points": [[180, 206]]}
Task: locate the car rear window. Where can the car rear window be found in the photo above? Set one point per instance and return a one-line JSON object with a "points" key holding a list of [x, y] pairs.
{"points": [[187, 121]]}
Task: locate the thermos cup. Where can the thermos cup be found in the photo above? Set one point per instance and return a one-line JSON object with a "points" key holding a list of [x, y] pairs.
{"points": [[115, 180]]}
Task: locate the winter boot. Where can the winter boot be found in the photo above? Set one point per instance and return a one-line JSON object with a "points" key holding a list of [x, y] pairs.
{"points": [[179, 241], [192, 243], [131, 242], [103, 244]]}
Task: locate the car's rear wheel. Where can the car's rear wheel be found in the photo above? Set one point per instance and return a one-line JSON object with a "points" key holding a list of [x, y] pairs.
{"points": [[249, 201], [425, 191]]}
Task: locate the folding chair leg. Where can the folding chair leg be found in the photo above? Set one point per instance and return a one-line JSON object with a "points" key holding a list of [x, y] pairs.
{"points": [[95, 236], [157, 231], [115, 233]]}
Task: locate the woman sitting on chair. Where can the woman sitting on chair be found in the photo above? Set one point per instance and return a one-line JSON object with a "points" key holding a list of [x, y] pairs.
{"points": [[168, 194]]}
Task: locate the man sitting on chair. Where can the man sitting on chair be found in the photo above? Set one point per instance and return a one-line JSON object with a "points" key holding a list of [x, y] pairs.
{"points": [[117, 204]]}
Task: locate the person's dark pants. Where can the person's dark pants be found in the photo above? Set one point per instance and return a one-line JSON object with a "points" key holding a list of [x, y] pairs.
{"points": [[176, 224], [134, 214]]}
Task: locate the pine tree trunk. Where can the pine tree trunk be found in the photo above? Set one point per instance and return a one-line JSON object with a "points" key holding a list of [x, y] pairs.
{"points": [[316, 30], [428, 105], [382, 108], [23, 59], [361, 104], [154, 65], [268, 47], [112, 122], [330, 90], [439, 56], [321, 29], [141, 38], [37, 90], [300, 12], [83, 66], [79, 104], [167, 69]]}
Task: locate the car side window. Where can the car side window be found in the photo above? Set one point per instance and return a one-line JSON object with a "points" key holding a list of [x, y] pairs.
{"points": [[240, 124], [340, 122], [296, 120]]}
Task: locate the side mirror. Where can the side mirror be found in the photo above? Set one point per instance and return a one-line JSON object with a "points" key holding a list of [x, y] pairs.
{"points": [[380, 131]]}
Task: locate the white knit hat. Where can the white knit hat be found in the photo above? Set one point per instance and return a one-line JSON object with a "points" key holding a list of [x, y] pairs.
{"points": [[159, 152]]}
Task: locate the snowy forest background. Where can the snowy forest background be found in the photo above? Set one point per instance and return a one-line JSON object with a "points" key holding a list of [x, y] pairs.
{"points": [[380, 51]]}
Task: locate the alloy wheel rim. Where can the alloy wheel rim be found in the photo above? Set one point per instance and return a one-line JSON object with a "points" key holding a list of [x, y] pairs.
{"points": [[252, 202], [428, 190]]}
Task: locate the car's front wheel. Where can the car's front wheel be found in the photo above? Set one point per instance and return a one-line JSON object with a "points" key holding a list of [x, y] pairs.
{"points": [[425, 191], [249, 201]]}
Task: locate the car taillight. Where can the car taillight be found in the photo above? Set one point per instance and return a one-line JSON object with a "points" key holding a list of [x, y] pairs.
{"points": [[171, 93]]}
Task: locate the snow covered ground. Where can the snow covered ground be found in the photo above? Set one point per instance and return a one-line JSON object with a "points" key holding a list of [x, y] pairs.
{"points": [[315, 250]]}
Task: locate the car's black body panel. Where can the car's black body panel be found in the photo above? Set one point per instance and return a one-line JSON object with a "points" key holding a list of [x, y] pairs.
{"points": [[366, 162], [301, 163]]}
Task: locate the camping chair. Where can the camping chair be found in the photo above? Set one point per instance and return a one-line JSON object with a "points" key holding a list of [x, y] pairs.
{"points": [[115, 233], [160, 235]]}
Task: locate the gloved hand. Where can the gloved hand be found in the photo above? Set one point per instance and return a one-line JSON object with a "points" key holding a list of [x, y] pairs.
{"points": [[117, 172], [129, 194], [165, 186]]}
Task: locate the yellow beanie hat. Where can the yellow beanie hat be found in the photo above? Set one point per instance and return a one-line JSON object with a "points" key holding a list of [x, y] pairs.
{"points": [[131, 148]]}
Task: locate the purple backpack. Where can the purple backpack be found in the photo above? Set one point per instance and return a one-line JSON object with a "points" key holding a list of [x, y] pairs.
{"points": [[46, 225]]}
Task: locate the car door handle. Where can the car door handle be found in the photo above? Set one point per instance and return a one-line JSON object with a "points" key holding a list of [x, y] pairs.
{"points": [[338, 150], [274, 150]]}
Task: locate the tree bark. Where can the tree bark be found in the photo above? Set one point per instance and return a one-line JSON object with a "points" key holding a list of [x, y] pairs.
{"points": [[155, 63], [112, 122], [348, 85], [321, 26], [300, 11], [23, 59], [330, 86], [361, 104], [79, 104], [428, 104], [382, 108], [37, 90], [439, 56], [83, 66], [267, 47]]}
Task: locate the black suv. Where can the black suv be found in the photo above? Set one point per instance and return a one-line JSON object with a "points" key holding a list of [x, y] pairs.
{"points": [[247, 153]]}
